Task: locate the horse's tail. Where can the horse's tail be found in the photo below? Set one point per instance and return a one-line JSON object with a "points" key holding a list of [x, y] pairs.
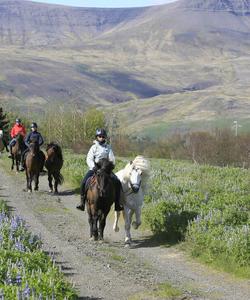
{"points": [[60, 179]]}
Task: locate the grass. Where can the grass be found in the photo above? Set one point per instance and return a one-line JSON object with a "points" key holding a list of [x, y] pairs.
{"points": [[161, 291]]}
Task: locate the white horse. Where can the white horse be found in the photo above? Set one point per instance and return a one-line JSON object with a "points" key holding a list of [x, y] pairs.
{"points": [[1, 141], [134, 179]]}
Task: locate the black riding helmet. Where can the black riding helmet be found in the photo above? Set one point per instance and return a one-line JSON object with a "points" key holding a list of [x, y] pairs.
{"points": [[101, 132], [18, 120], [33, 125]]}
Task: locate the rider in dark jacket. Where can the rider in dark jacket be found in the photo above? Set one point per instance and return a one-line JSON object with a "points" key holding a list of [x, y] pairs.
{"points": [[33, 136]]}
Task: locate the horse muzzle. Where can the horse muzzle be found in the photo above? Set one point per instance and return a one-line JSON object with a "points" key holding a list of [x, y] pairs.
{"points": [[135, 188]]}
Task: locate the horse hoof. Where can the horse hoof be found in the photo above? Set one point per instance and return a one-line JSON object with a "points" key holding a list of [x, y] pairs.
{"points": [[91, 238], [29, 191], [116, 229], [128, 241], [135, 225], [50, 191]]}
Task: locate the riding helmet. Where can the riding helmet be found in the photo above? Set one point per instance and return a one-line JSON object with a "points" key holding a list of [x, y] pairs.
{"points": [[33, 125], [101, 132], [18, 120]]}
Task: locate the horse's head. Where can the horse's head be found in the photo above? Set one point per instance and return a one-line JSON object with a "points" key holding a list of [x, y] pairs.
{"points": [[53, 150], [135, 177], [34, 147], [105, 165], [104, 169]]}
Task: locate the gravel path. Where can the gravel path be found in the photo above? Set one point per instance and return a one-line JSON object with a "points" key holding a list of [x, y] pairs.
{"points": [[108, 270]]}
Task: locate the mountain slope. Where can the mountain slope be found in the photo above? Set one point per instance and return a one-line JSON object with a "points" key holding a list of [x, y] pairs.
{"points": [[186, 61], [35, 24]]}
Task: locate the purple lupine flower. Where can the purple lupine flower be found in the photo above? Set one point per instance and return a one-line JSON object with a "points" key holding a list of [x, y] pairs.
{"points": [[8, 279], [19, 246], [18, 279], [1, 295], [14, 224], [26, 291]]}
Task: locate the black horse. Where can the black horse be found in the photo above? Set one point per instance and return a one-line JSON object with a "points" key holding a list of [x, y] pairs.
{"points": [[54, 163], [100, 197]]}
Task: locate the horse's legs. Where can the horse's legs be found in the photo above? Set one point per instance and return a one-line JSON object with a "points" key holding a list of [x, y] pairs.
{"points": [[102, 224], [17, 164], [90, 226], [36, 181], [13, 162], [50, 182], [95, 227], [56, 182], [137, 222], [117, 216], [128, 213], [29, 180]]}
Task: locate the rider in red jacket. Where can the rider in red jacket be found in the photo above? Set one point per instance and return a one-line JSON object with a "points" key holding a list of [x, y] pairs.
{"points": [[18, 128]]}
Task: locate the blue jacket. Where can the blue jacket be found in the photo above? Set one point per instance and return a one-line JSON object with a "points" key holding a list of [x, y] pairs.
{"points": [[33, 135]]}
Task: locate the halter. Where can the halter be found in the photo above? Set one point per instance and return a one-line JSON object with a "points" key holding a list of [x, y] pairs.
{"points": [[130, 186]]}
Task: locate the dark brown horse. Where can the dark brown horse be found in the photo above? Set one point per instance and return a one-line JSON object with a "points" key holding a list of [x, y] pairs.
{"points": [[54, 163], [34, 163], [17, 151], [100, 197], [3, 143]]}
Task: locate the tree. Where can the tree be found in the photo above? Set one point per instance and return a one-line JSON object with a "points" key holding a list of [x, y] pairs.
{"points": [[94, 119]]}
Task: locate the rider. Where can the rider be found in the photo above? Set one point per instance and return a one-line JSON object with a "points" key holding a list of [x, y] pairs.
{"points": [[36, 136], [17, 128], [100, 149]]}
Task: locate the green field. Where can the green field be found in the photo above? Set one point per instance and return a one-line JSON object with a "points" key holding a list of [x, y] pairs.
{"points": [[206, 209]]}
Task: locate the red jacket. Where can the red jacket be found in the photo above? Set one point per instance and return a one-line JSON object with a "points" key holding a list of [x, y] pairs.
{"points": [[18, 128]]}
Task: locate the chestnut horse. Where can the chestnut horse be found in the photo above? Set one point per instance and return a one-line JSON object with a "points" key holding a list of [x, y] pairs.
{"points": [[54, 163], [17, 151], [34, 163], [100, 197]]}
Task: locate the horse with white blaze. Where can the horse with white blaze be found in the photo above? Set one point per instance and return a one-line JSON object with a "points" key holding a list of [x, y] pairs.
{"points": [[134, 179]]}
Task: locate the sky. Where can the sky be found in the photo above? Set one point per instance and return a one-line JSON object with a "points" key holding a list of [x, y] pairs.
{"points": [[106, 3]]}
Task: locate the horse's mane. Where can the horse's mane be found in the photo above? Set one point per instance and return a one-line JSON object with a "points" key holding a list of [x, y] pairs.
{"points": [[104, 165], [141, 163], [56, 148]]}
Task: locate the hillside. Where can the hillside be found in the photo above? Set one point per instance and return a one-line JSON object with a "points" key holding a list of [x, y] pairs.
{"points": [[185, 62]]}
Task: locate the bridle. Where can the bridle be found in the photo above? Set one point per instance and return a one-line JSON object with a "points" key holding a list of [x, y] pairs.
{"points": [[131, 189]]}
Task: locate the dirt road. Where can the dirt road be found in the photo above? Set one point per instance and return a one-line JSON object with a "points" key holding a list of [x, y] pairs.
{"points": [[108, 270]]}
